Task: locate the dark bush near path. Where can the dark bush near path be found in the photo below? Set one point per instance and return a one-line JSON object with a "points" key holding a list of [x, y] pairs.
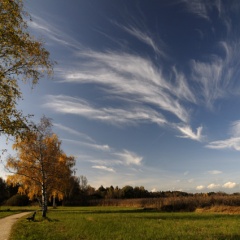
{"points": [[17, 200]]}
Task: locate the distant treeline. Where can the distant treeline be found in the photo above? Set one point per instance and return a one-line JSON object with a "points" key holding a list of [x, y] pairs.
{"points": [[162, 200], [82, 194], [128, 192]]}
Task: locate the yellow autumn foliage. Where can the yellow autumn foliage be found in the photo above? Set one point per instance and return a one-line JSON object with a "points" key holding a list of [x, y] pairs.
{"points": [[22, 58], [40, 166]]}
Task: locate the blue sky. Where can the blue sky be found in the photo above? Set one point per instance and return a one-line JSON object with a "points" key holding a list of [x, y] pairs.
{"points": [[145, 93]]}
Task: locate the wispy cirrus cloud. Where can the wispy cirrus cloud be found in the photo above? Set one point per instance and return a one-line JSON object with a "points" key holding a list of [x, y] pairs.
{"points": [[235, 128], [145, 38], [215, 75], [129, 158], [187, 132], [90, 145], [121, 75], [136, 78], [209, 77], [117, 158], [201, 8], [130, 116], [104, 168], [65, 104], [230, 143], [73, 131], [124, 157], [53, 33], [114, 159]]}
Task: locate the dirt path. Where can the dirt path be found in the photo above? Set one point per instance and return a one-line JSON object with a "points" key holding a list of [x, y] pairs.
{"points": [[6, 224]]}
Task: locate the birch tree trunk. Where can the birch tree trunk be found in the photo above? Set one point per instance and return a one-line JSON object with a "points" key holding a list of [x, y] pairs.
{"points": [[44, 201]]}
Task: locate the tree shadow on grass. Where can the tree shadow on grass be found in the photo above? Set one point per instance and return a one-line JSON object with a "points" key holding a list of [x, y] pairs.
{"points": [[47, 219], [228, 237], [188, 216], [103, 211], [15, 210]]}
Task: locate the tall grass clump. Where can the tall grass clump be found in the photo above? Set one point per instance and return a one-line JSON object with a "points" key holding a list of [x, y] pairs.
{"points": [[173, 204]]}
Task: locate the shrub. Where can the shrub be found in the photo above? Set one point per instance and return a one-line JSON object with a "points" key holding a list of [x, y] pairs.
{"points": [[17, 200]]}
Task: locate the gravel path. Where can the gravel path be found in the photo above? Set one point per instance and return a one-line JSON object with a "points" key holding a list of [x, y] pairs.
{"points": [[7, 222]]}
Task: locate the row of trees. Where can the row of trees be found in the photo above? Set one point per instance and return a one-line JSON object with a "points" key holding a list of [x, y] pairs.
{"points": [[129, 192], [76, 191]]}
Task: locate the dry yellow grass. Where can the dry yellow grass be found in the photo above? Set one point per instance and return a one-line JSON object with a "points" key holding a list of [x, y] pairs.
{"points": [[220, 209]]}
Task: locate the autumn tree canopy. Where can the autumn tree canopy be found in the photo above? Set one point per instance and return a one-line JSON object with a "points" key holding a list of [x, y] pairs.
{"points": [[40, 166], [22, 58]]}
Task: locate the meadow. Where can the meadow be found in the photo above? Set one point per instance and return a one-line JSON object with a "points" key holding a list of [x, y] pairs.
{"points": [[96, 223], [7, 211]]}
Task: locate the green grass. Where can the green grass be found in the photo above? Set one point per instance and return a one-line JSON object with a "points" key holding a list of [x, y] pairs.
{"points": [[5, 214], [126, 223], [7, 211]]}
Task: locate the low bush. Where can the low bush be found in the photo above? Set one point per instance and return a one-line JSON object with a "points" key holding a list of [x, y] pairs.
{"points": [[17, 200]]}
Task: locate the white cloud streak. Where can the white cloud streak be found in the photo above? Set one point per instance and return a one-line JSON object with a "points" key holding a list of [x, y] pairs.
{"points": [[187, 132], [124, 157], [201, 8], [230, 143], [72, 131], [235, 129], [76, 106], [51, 32], [104, 168], [144, 37], [104, 148], [131, 115], [122, 75], [130, 158], [208, 75], [215, 76], [215, 172]]}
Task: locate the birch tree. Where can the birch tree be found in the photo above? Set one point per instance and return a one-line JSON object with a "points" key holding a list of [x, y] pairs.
{"points": [[22, 58], [40, 165]]}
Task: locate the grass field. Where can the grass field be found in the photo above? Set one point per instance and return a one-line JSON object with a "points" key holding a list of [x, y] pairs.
{"points": [[98, 223], [7, 211], [5, 214]]}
